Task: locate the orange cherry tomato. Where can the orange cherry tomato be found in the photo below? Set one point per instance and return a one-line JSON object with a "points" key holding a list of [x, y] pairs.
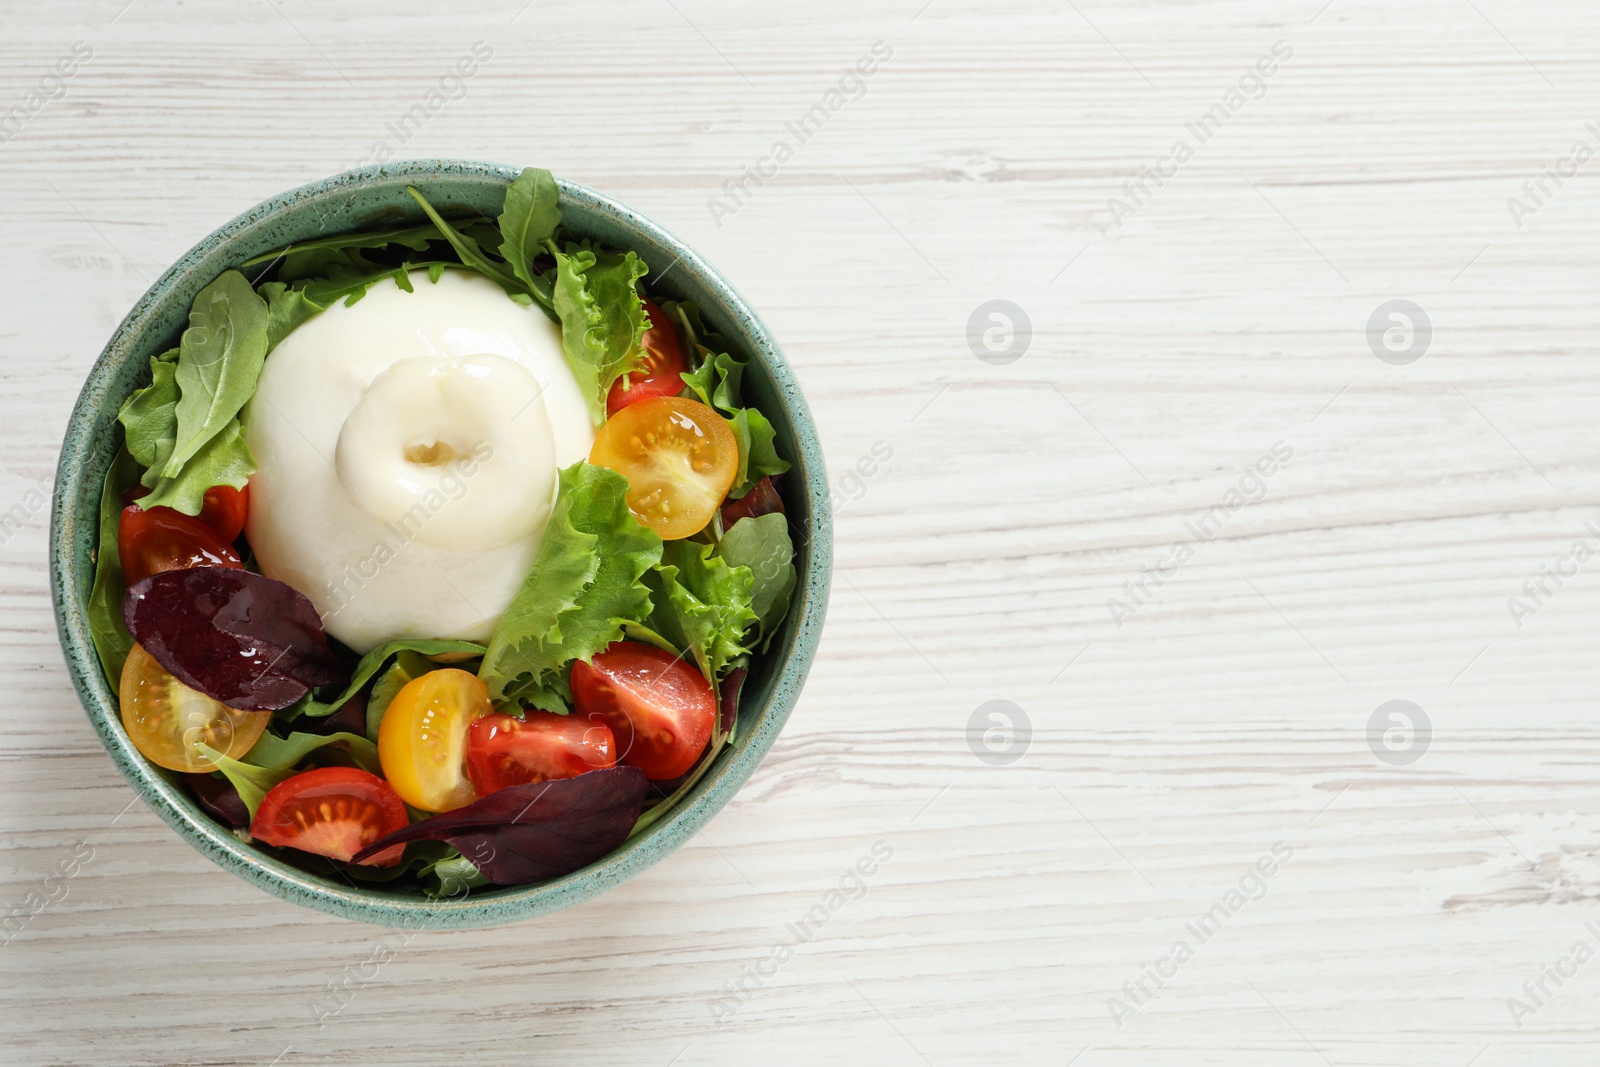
{"points": [[503, 750], [660, 372], [680, 459], [422, 740], [168, 722], [660, 708], [163, 539], [334, 812]]}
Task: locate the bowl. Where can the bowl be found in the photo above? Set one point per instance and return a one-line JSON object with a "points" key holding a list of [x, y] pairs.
{"points": [[371, 197]]}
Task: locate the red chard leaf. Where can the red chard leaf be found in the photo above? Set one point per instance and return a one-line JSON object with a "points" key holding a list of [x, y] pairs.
{"points": [[219, 799], [762, 499], [236, 636], [532, 833]]}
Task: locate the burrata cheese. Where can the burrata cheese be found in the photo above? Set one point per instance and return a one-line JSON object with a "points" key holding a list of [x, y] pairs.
{"points": [[407, 450]]}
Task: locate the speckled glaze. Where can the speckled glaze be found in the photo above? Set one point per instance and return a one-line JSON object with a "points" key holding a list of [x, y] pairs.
{"points": [[362, 199]]}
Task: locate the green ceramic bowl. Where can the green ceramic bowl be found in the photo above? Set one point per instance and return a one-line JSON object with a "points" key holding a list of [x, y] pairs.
{"points": [[362, 199]]}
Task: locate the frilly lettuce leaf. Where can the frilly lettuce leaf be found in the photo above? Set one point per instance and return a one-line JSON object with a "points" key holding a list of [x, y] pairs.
{"points": [[762, 544], [705, 605], [602, 318], [584, 585]]}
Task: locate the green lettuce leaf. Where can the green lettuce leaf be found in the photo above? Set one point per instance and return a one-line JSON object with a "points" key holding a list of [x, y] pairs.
{"points": [[705, 605], [758, 456], [529, 218], [275, 753], [112, 642], [602, 317], [148, 418], [223, 460], [219, 360], [762, 544], [442, 651], [584, 585], [286, 309]]}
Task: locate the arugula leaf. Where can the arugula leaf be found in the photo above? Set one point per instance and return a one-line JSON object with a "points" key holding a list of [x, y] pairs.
{"points": [[310, 258], [147, 417], [529, 218], [112, 642], [762, 544], [443, 651], [705, 605], [219, 360], [286, 309], [470, 252], [223, 460], [351, 283], [602, 317], [584, 585]]}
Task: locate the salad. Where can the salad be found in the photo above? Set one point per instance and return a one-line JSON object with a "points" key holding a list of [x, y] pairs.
{"points": [[438, 554]]}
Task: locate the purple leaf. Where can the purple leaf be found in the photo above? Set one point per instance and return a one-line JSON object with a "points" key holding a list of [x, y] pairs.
{"points": [[236, 636], [219, 799], [762, 499], [532, 833], [351, 718]]}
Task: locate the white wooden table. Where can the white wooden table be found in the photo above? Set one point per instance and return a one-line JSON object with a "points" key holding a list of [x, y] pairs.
{"points": [[1177, 337]]}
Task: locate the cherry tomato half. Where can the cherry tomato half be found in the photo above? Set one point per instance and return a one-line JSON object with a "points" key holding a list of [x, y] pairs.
{"points": [[163, 539], [503, 750], [679, 457], [661, 371], [224, 510], [167, 721], [660, 707], [422, 739], [334, 812]]}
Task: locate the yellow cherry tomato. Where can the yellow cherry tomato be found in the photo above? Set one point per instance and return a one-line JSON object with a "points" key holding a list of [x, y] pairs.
{"points": [[422, 740], [679, 457], [168, 722]]}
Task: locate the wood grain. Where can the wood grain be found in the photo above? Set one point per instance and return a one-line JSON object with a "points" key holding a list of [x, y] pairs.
{"points": [[1168, 754]]}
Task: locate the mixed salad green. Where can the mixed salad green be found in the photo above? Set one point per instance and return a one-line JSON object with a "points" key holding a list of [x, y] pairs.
{"points": [[607, 687]]}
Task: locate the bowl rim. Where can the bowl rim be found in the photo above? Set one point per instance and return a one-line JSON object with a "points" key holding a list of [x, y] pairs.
{"points": [[372, 904]]}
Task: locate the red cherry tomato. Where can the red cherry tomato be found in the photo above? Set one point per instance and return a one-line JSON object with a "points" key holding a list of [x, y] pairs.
{"points": [[224, 510], [503, 750], [162, 539], [661, 371], [334, 812], [659, 706]]}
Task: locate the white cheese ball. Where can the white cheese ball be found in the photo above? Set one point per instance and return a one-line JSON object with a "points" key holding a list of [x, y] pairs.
{"points": [[407, 450]]}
